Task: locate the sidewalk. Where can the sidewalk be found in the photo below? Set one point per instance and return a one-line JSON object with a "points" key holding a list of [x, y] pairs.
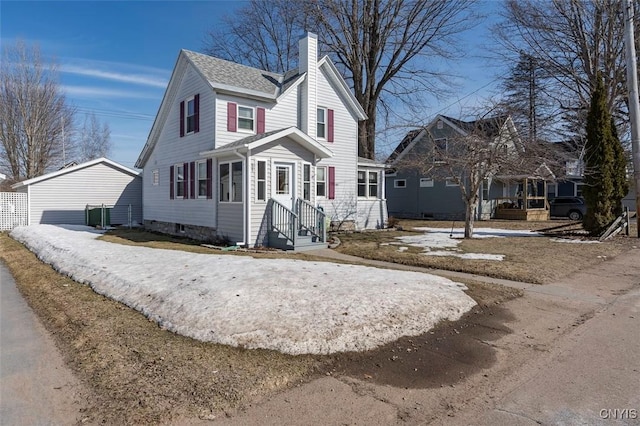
{"points": [[36, 388]]}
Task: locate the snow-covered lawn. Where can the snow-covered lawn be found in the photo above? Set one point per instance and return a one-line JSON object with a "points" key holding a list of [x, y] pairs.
{"points": [[446, 241], [288, 305]]}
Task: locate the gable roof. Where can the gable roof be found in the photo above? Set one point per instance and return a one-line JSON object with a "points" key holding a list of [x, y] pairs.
{"points": [[490, 127], [230, 77], [75, 168], [255, 141]]}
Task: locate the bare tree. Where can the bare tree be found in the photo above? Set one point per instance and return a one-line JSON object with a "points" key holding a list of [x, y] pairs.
{"points": [[95, 139], [35, 119], [571, 40], [388, 48], [261, 34], [487, 147], [384, 49]]}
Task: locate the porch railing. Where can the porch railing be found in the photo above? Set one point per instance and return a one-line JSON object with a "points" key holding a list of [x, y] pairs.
{"points": [[284, 221], [522, 203], [311, 219]]}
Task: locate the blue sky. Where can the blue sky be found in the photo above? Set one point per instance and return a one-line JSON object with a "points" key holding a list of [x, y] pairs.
{"points": [[116, 57]]}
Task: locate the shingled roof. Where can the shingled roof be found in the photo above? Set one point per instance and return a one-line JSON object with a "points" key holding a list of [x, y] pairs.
{"points": [[228, 75], [489, 127]]}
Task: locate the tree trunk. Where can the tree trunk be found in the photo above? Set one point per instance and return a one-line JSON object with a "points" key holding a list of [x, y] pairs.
{"points": [[469, 219], [367, 134]]}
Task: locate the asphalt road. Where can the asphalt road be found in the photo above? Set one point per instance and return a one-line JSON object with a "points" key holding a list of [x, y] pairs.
{"points": [[36, 388]]}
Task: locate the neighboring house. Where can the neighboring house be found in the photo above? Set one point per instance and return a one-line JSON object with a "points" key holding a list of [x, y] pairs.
{"points": [[571, 154], [569, 183], [413, 193], [62, 196], [257, 157]]}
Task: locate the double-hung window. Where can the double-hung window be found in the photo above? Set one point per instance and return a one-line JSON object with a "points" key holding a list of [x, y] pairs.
{"points": [[201, 178], [179, 181], [321, 123], [321, 181], [190, 115], [261, 179], [367, 184], [246, 119], [231, 181]]}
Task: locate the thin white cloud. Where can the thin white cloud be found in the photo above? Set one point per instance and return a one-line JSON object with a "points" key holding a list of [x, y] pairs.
{"points": [[92, 92], [140, 79]]}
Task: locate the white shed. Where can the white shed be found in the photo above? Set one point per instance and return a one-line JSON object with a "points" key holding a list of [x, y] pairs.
{"points": [[61, 197]]}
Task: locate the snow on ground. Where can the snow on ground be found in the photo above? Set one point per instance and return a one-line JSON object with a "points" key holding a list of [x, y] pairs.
{"points": [[447, 241], [292, 306]]}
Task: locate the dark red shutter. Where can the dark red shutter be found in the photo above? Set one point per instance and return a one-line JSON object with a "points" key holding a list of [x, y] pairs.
{"points": [[185, 182], [182, 119], [209, 177], [171, 189], [196, 113], [260, 120], [232, 117], [332, 182], [330, 125], [193, 180]]}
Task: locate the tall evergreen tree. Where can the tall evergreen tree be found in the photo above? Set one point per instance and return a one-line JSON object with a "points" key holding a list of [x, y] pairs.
{"points": [[600, 159], [620, 181], [526, 101]]}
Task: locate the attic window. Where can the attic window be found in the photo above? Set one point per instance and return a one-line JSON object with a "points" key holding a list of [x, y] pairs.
{"points": [[191, 115], [439, 124], [324, 124]]}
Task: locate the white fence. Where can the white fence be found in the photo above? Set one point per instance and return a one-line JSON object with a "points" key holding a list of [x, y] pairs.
{"points": [[13, 210]]}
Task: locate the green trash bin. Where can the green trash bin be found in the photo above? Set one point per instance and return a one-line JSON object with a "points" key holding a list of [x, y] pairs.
{"points": [[98, 216]]}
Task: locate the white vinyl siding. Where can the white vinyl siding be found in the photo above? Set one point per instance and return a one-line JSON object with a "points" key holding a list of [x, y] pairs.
{"points": [[277, 116], [344, 149], [63, 198], [171, 149], [286, 151]]}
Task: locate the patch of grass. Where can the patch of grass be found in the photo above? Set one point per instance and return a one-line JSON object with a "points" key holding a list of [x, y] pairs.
{"points": [[137, 372], [527, 259]]}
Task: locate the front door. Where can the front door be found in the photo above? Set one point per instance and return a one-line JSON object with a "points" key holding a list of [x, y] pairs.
{"points": [[283, 184]]}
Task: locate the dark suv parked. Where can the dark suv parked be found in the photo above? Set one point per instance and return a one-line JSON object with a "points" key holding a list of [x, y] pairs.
{"points": [[572, 207]]}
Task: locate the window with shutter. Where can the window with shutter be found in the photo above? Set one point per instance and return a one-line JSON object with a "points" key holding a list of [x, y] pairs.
{"points": [[171, 188], [192, 179], [209, 178], [330, 125], [232, 117], [332, 182], [182, 119], [261, 120]]}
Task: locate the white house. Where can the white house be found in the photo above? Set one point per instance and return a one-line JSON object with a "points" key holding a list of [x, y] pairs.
{"points": [[62, 196], [258, 158]]}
